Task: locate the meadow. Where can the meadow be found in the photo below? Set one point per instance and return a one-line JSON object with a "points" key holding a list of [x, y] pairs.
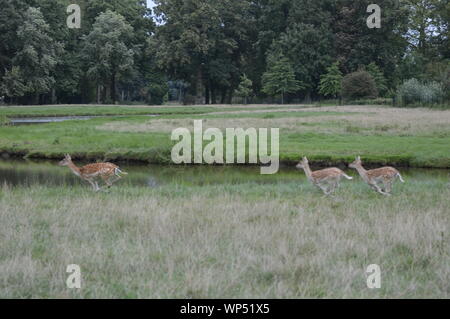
{"points": [[241, 240], [328, 135], [224, 232]]}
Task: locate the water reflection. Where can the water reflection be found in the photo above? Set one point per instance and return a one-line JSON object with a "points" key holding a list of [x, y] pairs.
{"points": [[24, 173]]}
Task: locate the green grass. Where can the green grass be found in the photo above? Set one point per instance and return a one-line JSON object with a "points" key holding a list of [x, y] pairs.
{"points": [[87, 110], [241, 240], [327, 136]]}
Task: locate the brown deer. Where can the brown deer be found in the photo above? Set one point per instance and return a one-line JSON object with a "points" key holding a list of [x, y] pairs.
{"points": [[108, 172], [385, 176], [327, 179]]}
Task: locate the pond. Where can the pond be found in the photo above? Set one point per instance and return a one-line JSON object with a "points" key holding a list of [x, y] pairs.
{"points": [[27, 173]]}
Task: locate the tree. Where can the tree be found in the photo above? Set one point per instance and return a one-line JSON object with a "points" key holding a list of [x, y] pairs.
{"points": [[203, 43], [106, 51], [280, 77], [245, 88], [358, 85], [11, 16], [355, 44], [378, 77], [38, 54], [331, 82], [13, 85]]}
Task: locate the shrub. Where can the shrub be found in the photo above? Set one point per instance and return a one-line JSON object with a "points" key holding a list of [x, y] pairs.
{"points": [[359, 85], [4, 121], [189, 99], [414, 92]]}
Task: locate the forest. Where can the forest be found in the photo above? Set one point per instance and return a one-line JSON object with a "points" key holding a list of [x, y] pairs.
{"points": [[224, 51]]}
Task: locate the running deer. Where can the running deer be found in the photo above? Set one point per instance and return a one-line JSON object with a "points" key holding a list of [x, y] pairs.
{"points": [[327, 179], [108, 172], [385, 175]]}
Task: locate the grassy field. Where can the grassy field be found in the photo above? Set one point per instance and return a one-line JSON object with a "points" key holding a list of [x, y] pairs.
{"points": [[195, 234], [246, 240], [328, 135], [109, 110]]}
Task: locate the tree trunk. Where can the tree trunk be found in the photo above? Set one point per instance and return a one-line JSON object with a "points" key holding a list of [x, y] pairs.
{"points": [[198, 89], [207, 95], [224, 96], [98, 93], [230, 97], [54, 100], [213, 94], [36, 99], [113, 88]]}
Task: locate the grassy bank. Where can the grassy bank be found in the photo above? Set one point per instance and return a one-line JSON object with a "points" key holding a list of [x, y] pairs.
{"points": [[111, 110], [328, 135], [246, 240]]}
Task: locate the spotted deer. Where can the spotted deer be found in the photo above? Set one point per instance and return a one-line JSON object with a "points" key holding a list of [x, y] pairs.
{"points": [[108, 172], [385, 176], [327, 179]]}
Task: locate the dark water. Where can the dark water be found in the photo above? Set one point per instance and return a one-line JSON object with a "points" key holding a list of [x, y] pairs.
{"points": [[25, 173], [41, 120]]}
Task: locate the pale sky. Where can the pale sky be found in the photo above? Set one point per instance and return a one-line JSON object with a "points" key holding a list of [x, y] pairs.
{"points": [[150, 3]]}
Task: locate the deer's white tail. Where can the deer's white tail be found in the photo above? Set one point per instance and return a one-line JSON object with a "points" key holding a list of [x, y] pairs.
{"points": [[347, 177], [400, 177], [118, 172]]}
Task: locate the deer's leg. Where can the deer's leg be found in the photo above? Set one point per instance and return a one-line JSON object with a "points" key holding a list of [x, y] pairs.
{"points": [[107, 180], [335, 186], [379, 190], [97, 188], [325, 189], [388, 186], [92, 184]]}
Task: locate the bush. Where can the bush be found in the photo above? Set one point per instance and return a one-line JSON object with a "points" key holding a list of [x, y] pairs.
{"points": [[359, 85], [378, 101], [413, 92], [189, 99], [4, 121]]}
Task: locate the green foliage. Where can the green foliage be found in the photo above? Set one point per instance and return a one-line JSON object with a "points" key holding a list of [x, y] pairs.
{"points": [[359, 85], [4, 121], [157, 90], [37, 56], [209, 44], [106, 50], [245, 88], [13, 83], [413, 92], [280, 77], [331, 82], [378, 77]]}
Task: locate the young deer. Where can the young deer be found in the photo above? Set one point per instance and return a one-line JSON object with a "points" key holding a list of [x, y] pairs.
{"points": [[108, 172], [384, 175], [327, 179]]}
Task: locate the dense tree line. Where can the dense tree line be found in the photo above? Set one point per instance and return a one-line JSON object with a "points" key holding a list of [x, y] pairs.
{"points": [[210, 51]]}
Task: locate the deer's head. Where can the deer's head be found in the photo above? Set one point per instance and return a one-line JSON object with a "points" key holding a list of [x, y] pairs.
{"points": [[303, 163], [356, 162], [66, 161]]}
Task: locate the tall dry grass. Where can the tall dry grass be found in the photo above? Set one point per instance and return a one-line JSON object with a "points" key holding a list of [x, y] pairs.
{"points": [[226, 241], [365, 119]]}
